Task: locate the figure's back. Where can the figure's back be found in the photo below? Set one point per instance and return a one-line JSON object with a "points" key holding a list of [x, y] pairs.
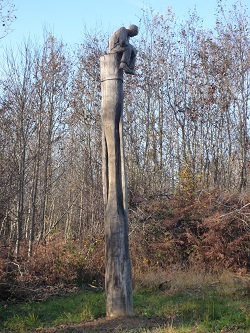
{"points": [[119, 37], [113, 40]]}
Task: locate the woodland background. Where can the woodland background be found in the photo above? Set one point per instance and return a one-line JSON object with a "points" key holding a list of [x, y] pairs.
{"points": [[186, 128]]}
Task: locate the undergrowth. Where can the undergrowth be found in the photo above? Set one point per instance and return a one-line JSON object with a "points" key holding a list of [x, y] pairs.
{"points": [[170, 239], [221, 304], [208, 231]]}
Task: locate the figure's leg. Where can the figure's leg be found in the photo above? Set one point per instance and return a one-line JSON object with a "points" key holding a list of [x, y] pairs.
{"points": [[126, 60], [132, 58], [127, 55]]}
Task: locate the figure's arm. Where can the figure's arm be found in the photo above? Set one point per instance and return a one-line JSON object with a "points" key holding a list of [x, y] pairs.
{"points": [[123, 37]]}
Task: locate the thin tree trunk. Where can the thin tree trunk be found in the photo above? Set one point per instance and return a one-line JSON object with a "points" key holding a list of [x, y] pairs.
{"points": [[35, 188], [20, 208]]}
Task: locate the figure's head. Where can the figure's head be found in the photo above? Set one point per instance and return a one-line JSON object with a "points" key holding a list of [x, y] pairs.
{"points": [[133, 30]]}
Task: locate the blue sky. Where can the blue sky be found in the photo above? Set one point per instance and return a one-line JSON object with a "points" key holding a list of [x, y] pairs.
{"points": [[66, 19]]}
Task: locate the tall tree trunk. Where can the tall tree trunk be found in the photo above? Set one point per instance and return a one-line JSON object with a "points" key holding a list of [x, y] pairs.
{"points": [[118, 277], [34, 200], [20, 208]]}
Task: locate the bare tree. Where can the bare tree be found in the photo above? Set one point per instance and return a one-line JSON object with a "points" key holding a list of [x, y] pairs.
{"points": [[187, 110], [7, 16], [18, 92]]}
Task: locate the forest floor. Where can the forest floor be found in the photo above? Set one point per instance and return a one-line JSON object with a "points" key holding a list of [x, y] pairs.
{"points": [[221, 305]]}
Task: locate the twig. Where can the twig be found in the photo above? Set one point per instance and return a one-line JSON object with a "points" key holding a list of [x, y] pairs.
{"points": [[234, 211], [18, 266]]}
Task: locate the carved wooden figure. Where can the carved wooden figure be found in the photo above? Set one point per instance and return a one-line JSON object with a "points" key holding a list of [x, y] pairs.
{"points": [[118, 276]]}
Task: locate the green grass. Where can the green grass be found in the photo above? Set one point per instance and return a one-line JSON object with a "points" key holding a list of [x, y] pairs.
{"points": [[55, 311], [207, 312], [186, 311]]}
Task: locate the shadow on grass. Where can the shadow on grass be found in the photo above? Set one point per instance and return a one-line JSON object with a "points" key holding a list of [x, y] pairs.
{"points": [[132, 324]]}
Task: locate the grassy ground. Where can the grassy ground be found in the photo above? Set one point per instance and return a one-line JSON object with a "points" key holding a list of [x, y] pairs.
{"points": [[83, 306], [195, 308]]}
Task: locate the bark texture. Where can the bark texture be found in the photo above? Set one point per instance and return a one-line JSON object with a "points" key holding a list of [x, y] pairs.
{"points": [[118, 277]]}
